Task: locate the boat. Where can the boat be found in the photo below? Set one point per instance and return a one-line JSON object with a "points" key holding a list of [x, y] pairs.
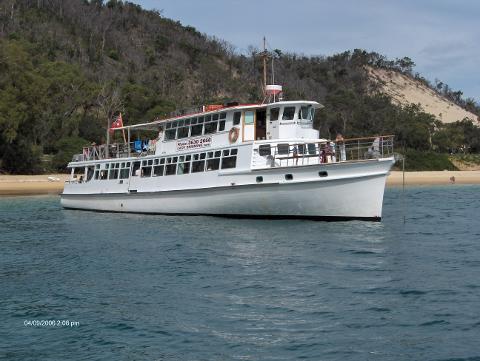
{"points": [[262, 160]]}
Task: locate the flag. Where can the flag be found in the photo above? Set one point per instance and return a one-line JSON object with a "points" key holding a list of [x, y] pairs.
{"points": [[118, 123]]}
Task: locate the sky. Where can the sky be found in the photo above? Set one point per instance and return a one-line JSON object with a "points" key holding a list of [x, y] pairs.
{"points": [[441, 37]]}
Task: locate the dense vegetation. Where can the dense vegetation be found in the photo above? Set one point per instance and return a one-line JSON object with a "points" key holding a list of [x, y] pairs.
{"points": [[66, 66]]}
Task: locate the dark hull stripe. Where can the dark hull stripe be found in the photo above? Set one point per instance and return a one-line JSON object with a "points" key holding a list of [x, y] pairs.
{"points": [[245, 216]]}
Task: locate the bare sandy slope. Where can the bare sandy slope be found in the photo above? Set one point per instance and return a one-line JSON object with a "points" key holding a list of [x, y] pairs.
{"points": [[405, 90], [40, 184]]}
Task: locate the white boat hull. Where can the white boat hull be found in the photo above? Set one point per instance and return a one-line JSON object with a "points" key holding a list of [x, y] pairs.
{"points": [[349, 192]]}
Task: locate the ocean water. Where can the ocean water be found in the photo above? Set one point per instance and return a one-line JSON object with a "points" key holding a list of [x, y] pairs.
{"points": [[136, 287]]}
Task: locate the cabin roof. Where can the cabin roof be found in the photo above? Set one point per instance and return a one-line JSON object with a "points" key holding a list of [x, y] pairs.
{"points": [[154, 124]]}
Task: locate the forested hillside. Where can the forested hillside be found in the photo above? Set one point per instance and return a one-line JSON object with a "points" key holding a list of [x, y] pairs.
{"points": [[66, 66]]}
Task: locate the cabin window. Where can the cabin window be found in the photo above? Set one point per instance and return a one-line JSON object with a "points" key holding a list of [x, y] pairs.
{"points": [[264, 150], [135, 168], [187, 121], [223, 115], [158, 170], [113, 173], [90, 171], [193, 121], [124, 173], [213, 164], [183, 168], [97, 166], [234, 151], [171, 169], [229, 162], [168, 126], [103, 174], [301, 149], [215, 117], [288, 113], [236, 118], [198, 166], [283, 148], [182, 132], [202, 155], [155, 161], [274, 112], [221, 125], [249, 118], [311, 148], [323, 173], [170, 134], [162, 161], [210, 127], [146, 171], [96, 174], [196, 130], [200, 119]]}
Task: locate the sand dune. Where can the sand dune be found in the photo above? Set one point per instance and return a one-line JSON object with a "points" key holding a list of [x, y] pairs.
{"points": [[405, 90]]}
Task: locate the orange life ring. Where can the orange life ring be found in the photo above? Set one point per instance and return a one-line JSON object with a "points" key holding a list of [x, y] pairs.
{"points": [[233, 135]]}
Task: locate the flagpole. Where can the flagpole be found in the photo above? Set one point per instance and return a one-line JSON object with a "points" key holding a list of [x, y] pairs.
{"points": [[108, 137], [123, 130]]}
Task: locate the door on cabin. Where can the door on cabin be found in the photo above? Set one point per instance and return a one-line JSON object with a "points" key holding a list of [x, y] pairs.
{"points": [[261, 124], [248, 125]]}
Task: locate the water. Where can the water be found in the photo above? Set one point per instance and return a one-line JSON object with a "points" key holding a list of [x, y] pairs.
{"points": [[201, 288]]}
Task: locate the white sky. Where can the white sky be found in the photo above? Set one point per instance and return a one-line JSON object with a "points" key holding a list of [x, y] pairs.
{"points": [[442, 37]]}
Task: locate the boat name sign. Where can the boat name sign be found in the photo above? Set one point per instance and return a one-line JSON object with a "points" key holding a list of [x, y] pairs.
{"points": [[196, 143]]}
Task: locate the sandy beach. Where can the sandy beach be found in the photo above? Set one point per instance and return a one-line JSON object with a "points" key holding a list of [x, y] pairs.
{"points": [[53, 183], [31, 184], [434, 178]]}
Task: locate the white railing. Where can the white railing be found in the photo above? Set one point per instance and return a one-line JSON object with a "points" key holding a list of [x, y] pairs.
{"points": [[348, 150]]}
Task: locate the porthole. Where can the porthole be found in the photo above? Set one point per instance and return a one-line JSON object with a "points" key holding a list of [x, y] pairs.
{"points": [[288, 176], [323, 173], [259, 179]]}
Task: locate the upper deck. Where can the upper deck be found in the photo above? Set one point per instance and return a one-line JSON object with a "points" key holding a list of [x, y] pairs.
{"points": [[212, 127]]}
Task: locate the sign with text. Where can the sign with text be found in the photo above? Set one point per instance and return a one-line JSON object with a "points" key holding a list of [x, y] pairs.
{"points": [[196, 143]]}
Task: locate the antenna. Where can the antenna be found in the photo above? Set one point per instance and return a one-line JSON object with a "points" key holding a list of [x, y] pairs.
{"points": [[264, 56]]}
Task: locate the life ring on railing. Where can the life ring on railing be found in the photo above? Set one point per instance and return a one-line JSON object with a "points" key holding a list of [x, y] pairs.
{"points": [[233, 135]]}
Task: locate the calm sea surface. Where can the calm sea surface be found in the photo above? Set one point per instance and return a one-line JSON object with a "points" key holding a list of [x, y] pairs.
{"points": [[135, 287]]}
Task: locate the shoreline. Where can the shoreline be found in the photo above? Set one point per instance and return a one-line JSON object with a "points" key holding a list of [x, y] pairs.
{"points": [[23, 185]]}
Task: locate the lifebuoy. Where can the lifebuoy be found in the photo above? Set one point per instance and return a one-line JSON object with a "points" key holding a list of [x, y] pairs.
{"points": [[233, 135]]}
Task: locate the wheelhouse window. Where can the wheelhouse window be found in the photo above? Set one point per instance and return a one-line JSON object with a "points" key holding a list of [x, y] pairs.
{"points": [[288, 113], [307, 112]]}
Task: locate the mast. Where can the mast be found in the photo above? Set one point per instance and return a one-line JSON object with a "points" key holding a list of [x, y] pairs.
{"points": [[264, 56]]}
